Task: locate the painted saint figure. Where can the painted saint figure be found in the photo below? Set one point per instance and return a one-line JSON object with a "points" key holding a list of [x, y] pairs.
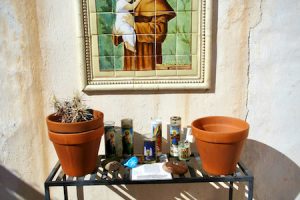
{"points": [[121, 26], [151, 26], [110, 144], [127, 144]]}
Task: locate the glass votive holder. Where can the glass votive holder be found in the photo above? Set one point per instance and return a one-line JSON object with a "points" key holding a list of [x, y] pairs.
{"points": [[184, 150], [110, 139], [149, 149]]}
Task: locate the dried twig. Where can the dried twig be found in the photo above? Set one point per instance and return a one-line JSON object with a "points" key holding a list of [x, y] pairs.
{"points": [[71, 110]]}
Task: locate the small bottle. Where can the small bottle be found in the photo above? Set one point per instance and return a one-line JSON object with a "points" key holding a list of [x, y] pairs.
{"points": [[149, 149], [175, 130], [110, 139], [127, 137]]}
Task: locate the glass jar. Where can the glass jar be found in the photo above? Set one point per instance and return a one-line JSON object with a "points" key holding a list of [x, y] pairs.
{"points": [[127, 137], [110, 139], [175, 130], [184, 150], [149, 149], [156, 126]]}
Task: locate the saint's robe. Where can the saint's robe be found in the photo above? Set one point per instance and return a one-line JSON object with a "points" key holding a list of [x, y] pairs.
{"points": [[151, 27]]}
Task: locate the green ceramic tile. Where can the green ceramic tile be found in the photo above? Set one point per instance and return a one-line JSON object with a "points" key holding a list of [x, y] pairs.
{"points": [[169, 59], [184, 22], [119, 62], [183, 60], [106, 47], [114, 5], [184, 5], [105, 22], [119, 50], [183, 44], [104, 5], [106, 63], [172, 25], [173, 4], [169, 45]]}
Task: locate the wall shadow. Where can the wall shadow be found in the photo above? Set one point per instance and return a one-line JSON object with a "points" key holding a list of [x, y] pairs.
{"points": [[275, 175], [13, 188]]}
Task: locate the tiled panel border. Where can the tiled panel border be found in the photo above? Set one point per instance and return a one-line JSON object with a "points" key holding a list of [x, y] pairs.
{"points": [[201, 80]]}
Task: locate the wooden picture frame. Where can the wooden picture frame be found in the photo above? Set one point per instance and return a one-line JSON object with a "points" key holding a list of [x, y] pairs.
{"points": [[185, 71]]}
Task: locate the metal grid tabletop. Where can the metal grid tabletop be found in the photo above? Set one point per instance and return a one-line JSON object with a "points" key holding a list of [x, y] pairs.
{"points": [[195, 174]]}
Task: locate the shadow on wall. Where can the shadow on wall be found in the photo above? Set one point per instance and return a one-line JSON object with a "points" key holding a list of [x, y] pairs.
{"points": [[275, 175], [13, 188]]}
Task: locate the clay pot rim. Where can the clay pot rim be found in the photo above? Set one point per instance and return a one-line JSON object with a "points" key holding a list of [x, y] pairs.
{"points": [[74, 123], [224, 117], [75, 134], [75, 127], [221, 137], [75, 138]]}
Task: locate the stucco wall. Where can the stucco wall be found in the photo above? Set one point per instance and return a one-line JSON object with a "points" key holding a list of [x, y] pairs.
{"points": [[255, 73], [22, 145]]}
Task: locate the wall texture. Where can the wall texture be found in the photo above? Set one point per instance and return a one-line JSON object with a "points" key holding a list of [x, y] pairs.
{"points": [[23, 146], [255, 73]]}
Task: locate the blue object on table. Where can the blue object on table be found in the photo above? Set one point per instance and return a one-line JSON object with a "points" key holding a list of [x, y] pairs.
{"points": [[131, 162]]}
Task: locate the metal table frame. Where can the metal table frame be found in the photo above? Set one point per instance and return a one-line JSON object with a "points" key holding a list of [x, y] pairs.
{"points": [[57, 178]]}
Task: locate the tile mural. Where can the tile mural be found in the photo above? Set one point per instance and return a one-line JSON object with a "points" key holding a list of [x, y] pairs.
{"points": [[145, 35]]}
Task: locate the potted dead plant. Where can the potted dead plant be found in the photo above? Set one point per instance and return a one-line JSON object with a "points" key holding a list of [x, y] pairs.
{"points": [[75, 132]]}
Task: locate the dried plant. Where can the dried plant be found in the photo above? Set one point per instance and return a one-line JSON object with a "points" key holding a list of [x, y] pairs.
{"points": [[71, 110]]}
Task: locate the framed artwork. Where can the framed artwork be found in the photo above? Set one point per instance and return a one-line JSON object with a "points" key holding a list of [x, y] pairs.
{"points": [[146, 44]]}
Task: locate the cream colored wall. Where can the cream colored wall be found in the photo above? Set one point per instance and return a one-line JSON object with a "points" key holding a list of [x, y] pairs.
{"points": [[23, 143], [274, 81], [255, 77]]}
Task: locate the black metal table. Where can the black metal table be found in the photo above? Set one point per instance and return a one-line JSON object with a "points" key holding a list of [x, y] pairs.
{"points": [[195, 174]]}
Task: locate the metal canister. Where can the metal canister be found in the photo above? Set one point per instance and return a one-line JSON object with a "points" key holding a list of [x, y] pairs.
{"points": [[110, 139], [149, 149], [156, 126], [175, 130], [127, 137]]}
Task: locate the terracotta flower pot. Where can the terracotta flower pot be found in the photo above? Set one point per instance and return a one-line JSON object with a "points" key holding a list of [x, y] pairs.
{"points": [[77, 144], [219, 141]]}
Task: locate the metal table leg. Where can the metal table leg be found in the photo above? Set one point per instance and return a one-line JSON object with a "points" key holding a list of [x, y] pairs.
{"points": [[230, 190], [250, 189], [47, 192], [65, 189]]}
